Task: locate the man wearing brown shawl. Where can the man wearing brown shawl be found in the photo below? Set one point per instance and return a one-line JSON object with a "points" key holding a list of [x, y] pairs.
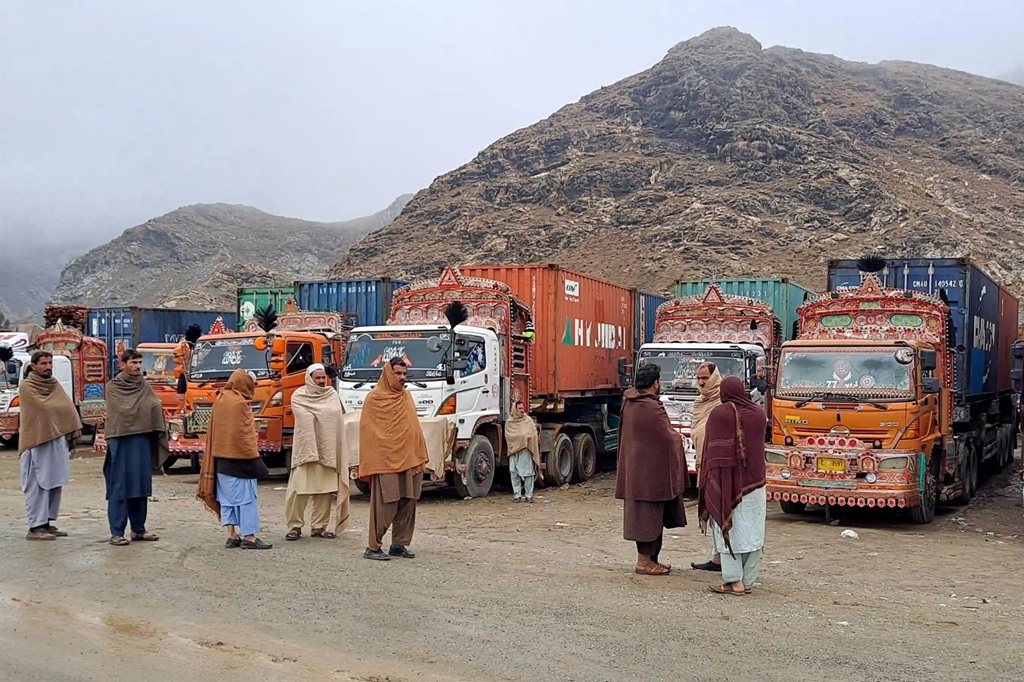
{"points": [[46, 435], [232, 464], [319, 464], [651, 475], [136, 446], [524, 452], [708, 381], [731, 499], [392, 455]]}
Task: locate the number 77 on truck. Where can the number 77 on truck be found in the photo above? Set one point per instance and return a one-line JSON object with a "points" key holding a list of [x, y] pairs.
{"points": [[897, 390]]}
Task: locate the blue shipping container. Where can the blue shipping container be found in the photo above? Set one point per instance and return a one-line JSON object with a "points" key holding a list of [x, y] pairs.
{"points": [[784, 296], [645, 310], [368, 300], [974, 303], [123, 328]]}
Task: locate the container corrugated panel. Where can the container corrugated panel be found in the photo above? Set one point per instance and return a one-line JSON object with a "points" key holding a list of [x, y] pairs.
{"points": [[783, 295], [369, 299], [583, 325], [122, 328], [645, 310], [251, 298], [1009, 318], [974, 305]]}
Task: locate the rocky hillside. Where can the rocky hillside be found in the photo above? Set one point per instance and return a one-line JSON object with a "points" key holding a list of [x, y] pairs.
{"points": [[1016, 76], [197, 256], [726, 159], [28, 276]]}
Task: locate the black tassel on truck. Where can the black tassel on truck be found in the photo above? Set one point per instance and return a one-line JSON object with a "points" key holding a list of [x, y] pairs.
{"points": [[456, 313], [192, 334], [266, 318], [871, 263]]}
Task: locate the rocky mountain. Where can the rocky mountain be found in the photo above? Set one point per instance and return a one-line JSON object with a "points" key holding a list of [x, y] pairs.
{"points": [[28, 275], [1016, 77], [197, 256], [728, 159]]}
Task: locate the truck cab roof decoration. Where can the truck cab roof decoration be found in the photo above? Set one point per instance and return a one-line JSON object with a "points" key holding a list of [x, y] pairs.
{"points": [[714, 315]]}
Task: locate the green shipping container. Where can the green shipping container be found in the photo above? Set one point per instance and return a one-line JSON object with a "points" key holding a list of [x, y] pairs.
{"points": [[783, 295], [251, 298]]}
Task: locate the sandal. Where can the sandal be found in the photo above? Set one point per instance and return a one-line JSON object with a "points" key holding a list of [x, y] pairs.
{"points": [[326, 535], [294, 534], [145, 537], [725, 589], [653, 569], [119, 541], [706, 566]]}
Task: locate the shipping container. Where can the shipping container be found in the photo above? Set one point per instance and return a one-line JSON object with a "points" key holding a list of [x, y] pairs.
{"points": [[584, 326], [367, 300], [645, 310], [783, 295], [251, 298], [122, 328], [982, 313]]}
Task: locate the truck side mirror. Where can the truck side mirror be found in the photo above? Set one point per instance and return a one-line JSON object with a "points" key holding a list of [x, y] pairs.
{"points": [[929, 360], [930, 385], [1017, 378]]}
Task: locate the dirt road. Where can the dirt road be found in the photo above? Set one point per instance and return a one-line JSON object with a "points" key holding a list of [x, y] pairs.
{"points": [[505, 592]]}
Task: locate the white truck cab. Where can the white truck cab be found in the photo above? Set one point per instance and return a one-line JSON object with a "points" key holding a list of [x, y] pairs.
{"points": [[679, 363]]}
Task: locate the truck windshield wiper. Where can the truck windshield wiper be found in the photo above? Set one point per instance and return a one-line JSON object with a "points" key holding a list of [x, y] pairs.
{"points": [[359, 385], [417, 384], [839, 398]]}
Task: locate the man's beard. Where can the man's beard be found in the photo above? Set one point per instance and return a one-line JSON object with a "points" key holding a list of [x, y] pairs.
{"points": [[48, 374]]}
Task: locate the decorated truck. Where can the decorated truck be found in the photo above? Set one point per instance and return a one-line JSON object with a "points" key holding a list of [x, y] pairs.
{"points": [[895, 396], [79, 365], [275, 350], [557, 340], [740, 335], [161, 366]]}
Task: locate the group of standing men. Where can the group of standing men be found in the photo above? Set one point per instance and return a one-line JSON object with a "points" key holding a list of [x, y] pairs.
{"points": [[728, 430]]}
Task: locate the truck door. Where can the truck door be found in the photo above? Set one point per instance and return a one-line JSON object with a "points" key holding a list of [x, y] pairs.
{"points": [[62, 373], [478, 385]]}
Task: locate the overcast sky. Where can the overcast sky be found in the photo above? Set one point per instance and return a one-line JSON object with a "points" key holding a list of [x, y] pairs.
{"points": [[113, 112]]}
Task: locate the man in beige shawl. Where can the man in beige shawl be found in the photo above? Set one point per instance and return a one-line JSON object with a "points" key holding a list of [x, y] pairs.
{"points": [[319, 469], [709, 380], [524, 452], [392, 456], [46, 435]]}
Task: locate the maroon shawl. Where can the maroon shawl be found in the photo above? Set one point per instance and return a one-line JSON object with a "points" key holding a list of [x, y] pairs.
{"points": [[651, 465], [733, 461]]}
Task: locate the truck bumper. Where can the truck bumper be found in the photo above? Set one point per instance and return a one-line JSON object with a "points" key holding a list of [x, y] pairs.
{"points": [[269, 439], [847, 478], [9, 424]]}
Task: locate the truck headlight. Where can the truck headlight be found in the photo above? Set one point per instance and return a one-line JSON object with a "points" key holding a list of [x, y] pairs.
{"points": [[277, 400], [871, 478]]}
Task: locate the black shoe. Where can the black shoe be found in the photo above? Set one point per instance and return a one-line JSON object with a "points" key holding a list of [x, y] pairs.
{"points": [[398, 550], [708, 566], [233, 543], [256, 544], [377, 555]]}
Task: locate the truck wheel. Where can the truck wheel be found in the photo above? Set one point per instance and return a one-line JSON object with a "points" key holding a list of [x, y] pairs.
{"points": [[792, 507], [560, 462], [585, 463], [478, 459], [362, 486], [9, 442], [196, 463], [925, 512], [168, 463]]}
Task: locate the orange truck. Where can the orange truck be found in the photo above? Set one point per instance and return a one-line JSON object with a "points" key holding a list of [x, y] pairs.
{"points": [[897, 391], [161, 365], [277, 359]]}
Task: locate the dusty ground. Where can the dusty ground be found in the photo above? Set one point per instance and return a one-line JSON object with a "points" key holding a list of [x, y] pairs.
{"points": [[505, 592]]}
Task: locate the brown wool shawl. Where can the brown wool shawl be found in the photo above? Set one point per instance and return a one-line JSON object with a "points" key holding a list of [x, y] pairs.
{"points": [[521, 434], [390, 436], [47, 412], [230, 435], [133, 408], [651, 467]]}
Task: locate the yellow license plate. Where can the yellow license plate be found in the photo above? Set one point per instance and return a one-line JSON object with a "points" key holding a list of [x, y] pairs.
{"points": [[831, 464]]}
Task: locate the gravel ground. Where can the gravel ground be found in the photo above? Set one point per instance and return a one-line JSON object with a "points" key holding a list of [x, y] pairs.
{"points": [[506, 592]]}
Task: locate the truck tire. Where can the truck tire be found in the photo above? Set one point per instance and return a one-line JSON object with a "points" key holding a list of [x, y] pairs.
{"points": [[196, 463], [585, 456], [10, 442], [169, 463], [362, 486], [560, 462], [925, 512], [792, 507], [478, 458], [969, 484]]}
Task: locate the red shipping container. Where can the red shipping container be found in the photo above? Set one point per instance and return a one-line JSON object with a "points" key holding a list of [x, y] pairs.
{"points": [[1009, 321], [583, 327]]}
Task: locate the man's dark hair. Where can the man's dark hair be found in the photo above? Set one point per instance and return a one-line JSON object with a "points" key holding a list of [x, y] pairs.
{"points": [[129, 354], [395, 362], [646, 375], [710, 365], [36, 357]]}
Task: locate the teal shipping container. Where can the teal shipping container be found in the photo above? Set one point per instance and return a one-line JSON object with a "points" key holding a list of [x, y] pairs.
{"points": [[251, 298], [645, 309], [367, 302], [783, 295]]}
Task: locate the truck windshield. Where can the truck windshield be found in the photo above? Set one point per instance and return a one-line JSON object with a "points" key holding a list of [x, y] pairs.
{"points": [[679, 367], [157, 363], [216, 359], [367, 352], [867, 372]]}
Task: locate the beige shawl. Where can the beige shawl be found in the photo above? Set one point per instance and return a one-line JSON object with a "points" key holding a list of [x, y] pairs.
{"points": [[318, 431], [702, 407], [47, 412], [521, 434]]}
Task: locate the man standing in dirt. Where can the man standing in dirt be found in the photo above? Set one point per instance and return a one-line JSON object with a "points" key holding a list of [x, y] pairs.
{"points": [[651, 475], [392, 456], [136, 446], [708, 381], [46, 435]]}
